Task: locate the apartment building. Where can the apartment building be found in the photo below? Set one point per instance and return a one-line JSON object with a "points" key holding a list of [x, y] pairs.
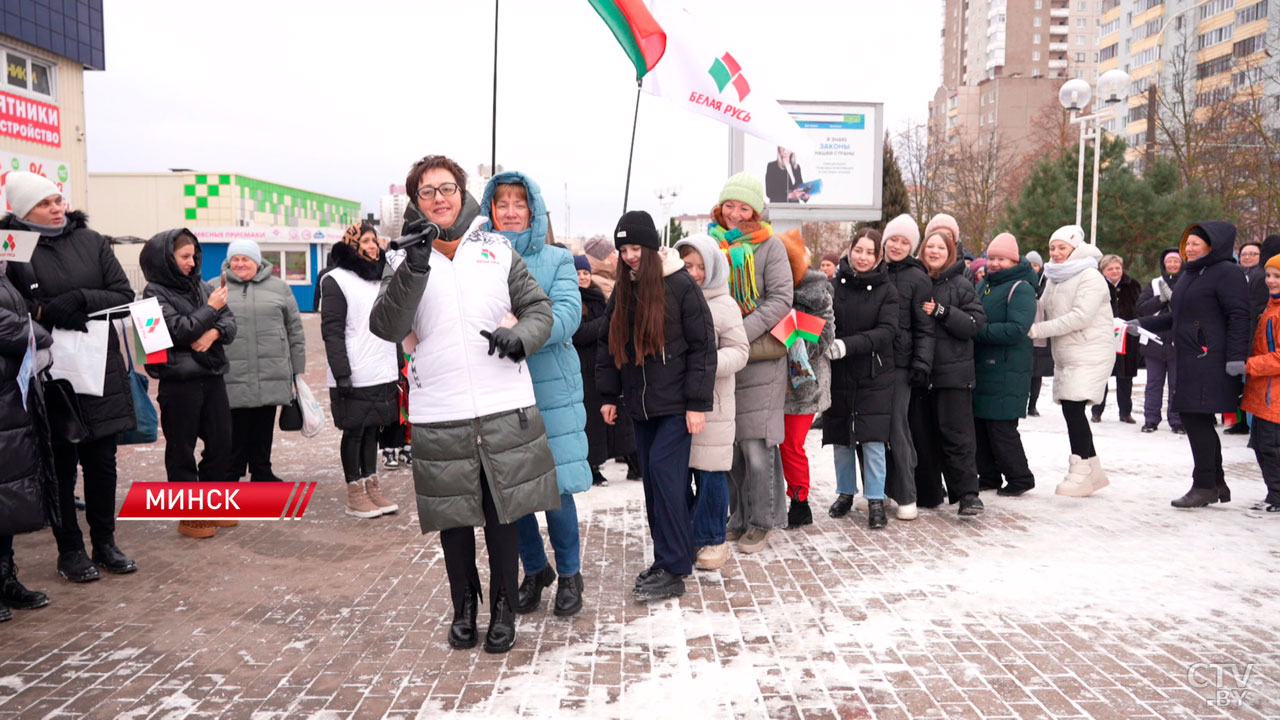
{"points": [[1206, 51], [1004, 60]]}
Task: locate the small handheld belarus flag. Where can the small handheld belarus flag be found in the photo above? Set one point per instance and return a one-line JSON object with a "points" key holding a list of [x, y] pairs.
{"points": [[640, 36], [148, 321], [796, 325]]}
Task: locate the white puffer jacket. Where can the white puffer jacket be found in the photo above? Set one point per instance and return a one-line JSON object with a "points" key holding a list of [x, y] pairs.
{"points": [[1077, 314]]}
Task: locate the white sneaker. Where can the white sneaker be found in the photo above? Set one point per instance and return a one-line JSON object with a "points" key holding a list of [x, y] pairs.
{"points": [[908, 512], [389, 459], [1078, 482], [1096, 476]]}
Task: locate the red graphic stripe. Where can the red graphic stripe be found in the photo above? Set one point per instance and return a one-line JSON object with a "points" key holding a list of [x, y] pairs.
{"points": [[729, 62], [306, 498]]}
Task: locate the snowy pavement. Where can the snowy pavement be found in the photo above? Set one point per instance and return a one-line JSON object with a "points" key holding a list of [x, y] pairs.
{"points": [[1115, 606]]}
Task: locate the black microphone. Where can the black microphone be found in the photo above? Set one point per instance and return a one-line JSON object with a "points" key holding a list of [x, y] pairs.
{"points": [[427, 233]]}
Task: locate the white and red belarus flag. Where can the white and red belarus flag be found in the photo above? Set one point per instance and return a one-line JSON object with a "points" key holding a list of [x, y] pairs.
{"points": [[699, 73]]}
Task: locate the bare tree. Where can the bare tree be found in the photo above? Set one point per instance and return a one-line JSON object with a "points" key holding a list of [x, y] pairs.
{"points": [[825, 237], [980, 174], [922, 169]]}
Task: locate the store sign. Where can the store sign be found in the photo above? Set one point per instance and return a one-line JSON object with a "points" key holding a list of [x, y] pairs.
{"points": [[56, 171], [30, 120], [267, 234]]}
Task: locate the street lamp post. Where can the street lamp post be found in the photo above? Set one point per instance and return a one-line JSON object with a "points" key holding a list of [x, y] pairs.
{"points": [[1113, 88], [666, 198]]}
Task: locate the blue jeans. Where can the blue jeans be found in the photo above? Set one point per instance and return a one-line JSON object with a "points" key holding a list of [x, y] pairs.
{"points": [[873, 471], [562, 526], [663, 447], [710, 505]]}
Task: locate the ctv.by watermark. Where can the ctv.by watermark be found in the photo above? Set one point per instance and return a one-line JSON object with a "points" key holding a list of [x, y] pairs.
{"points": [[1228, 682]]}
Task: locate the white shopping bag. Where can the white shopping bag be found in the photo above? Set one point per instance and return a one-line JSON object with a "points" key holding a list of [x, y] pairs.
{"points": [[312, 412], [81, 357]]}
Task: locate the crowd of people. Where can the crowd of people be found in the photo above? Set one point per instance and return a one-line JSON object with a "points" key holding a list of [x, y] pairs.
{"points": [[506, 370]]}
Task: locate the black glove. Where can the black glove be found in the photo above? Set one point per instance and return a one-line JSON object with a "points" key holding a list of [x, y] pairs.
{"points": [[78, 321], [56, 311], [506, 342], [939, 310], [343, 382], [418, 254], [919, 378]]}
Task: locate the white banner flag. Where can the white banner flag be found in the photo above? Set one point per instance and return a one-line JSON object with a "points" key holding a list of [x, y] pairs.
{"points": [[699, 74], [17, 245], [148, 321]]}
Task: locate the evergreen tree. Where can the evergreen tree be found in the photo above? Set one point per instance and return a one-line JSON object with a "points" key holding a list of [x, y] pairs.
{"points": [[894, 199], [1137, 216], [675, 231]]}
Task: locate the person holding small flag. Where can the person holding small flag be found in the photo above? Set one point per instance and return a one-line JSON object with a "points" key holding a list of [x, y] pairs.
{"points": [[72, 273], [192, 391]]}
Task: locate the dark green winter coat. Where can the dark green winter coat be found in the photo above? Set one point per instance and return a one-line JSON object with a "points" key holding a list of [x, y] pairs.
{"points": [[1002, 349]]}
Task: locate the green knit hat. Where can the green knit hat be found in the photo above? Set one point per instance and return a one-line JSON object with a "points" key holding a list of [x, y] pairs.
{"points": [[745, 188]]}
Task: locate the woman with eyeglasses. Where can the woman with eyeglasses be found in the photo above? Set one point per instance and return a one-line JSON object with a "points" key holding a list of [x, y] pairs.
{"points": [[480, 452]]}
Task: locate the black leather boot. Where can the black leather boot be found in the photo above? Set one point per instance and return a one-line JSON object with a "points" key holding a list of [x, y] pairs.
{"points": [[462, 633], [76, 566], [502, 624], [568, 595], [841, 506], [799, 514], [876, 519], [529, 596], [108, 557], [1197, 497], [12, 592]]}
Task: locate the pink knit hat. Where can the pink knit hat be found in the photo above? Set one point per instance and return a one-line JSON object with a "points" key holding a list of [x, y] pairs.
{"points": [[943, 221], [1004, 245], [906, 227]]}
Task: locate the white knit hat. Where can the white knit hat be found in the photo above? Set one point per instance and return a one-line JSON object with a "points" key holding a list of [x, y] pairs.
{"points": [[906, 227], [25, 190], [1072, 235]]}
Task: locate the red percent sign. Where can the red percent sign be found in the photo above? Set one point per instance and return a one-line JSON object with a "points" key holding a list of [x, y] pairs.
{"points": [[216, 501]]}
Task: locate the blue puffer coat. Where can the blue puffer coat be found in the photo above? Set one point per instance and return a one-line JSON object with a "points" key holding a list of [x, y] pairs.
{"points": [[556, 371]]}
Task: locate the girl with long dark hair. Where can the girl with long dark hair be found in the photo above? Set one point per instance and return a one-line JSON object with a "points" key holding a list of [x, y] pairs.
{"points": [[660, 354]]}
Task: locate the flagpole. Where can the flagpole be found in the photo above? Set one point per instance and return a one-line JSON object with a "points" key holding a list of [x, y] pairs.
{"points": [[626, 194], [493, 147]]}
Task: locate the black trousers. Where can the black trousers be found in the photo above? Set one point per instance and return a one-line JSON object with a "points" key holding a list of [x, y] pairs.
{"points": [[392, 437], [252, 430], [1001, 458], [1078, 432], [503, 543], [1206, 450], [945, 446], [1036, 383], [359, 450], [1264, 438], [191, 409], [97, 459], [1124, 397]]}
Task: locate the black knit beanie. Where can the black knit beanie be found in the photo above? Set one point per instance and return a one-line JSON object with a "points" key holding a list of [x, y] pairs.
{"points": [[636, 228]]}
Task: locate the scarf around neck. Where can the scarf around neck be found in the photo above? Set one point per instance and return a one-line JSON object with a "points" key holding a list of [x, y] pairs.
{"points": [[44, 230], [1063, 271], [740, 247]]}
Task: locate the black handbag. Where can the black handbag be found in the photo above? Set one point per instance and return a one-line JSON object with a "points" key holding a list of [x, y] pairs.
{"points": [[291, 415], [66, 419]]}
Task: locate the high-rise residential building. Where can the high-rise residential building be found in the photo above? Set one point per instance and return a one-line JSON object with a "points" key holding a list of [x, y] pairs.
{"points": [[391, 211], [1200, 52], [1003, 62]]}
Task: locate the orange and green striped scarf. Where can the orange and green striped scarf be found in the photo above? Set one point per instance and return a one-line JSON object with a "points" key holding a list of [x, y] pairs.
{"points": [[739, 246]]}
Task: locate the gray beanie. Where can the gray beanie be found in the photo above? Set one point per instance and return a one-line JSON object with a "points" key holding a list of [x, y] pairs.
{"points": [[247, 248], [1033, 257]]}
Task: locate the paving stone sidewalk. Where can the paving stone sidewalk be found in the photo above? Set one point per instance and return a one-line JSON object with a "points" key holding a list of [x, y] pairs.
{"points": [[1045, 607]]}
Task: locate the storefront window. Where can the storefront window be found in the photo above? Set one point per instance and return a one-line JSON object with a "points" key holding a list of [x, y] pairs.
{"points": [[27, 73], [293, 266]]}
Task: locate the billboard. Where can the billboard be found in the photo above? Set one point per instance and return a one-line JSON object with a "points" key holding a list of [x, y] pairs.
{"points": [[56, 171], [839, 179]]}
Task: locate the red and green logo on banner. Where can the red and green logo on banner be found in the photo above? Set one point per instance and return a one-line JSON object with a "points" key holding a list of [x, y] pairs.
{"points": [[640, 36], [797, 325]]}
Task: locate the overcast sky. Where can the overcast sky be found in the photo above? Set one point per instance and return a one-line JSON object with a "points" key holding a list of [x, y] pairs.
{"points": [[341, 97]]}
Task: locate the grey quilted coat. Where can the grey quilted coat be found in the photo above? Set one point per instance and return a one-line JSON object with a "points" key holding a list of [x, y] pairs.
{"points": [[762, 385], [510, 447], [269, 348]]}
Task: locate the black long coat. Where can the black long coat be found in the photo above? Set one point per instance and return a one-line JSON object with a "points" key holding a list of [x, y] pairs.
{"points": [[585, 341], [866, 310], [27, 484], [1124, 305], [81, 260], [1210, 323], [1151, 303], [953, 339]]}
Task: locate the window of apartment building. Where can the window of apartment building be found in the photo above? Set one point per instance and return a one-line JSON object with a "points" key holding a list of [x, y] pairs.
{"points": [[1079, 39], [30, 75], [1213, 37], [1110, 27], [1244, 79], [1108, 52], [1215, 96], [1257, 11], [1035, 72], [1082, 6], [1151, 27], [1144, 57], [1108, 4], [1138, 139], [1078, 74], [1079, 57], [1213, 67], [1081, 22], [1213, 7], [1035, 56], [1138, 112], [1035, 21], [1035, 39], [1142, 6], [1039, 4]]}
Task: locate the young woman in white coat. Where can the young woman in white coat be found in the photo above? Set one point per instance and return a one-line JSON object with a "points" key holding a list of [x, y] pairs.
{"points": [[711, 454], [1076, 306]]}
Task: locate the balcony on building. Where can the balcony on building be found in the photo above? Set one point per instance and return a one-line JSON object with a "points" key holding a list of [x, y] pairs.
{"points": [[1058, 47], [1057, 64], [1060, 12], [1059, 30]]}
